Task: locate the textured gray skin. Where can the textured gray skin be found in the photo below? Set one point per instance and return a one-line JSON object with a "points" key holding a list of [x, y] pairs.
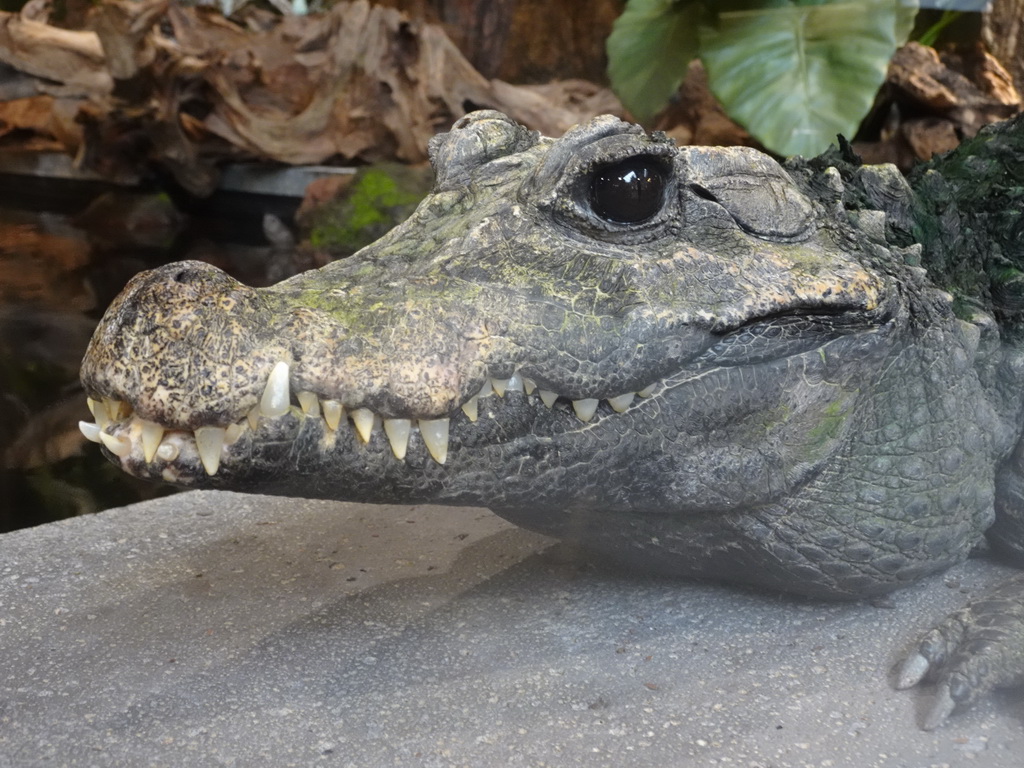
{"points": [[835, 361]]}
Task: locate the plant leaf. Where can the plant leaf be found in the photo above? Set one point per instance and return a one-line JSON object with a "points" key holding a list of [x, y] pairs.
{"points": [[649, 49], [795, 77]]}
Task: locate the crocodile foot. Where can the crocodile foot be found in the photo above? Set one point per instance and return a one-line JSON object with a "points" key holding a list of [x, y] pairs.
{"points": [[976, 649]]}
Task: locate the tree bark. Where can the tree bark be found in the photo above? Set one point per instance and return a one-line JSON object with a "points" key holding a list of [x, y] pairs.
{"points": [[525, 41], [1002, 31]]}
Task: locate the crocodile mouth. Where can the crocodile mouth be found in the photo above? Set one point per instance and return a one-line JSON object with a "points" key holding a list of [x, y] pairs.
{"points": [[162, 451], [124, 433]]}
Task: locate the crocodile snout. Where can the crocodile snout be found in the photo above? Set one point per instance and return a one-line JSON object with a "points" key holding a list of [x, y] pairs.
{"points": [[185, 344]]}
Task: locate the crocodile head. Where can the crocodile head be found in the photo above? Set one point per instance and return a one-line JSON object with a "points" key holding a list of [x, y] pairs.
{"points": [[600, 327]]}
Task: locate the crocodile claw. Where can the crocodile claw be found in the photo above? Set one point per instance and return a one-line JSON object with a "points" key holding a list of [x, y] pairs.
{"points": [[973, 651]]}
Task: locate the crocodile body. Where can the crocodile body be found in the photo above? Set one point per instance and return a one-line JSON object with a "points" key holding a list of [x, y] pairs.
{"points": [[691, 359]]}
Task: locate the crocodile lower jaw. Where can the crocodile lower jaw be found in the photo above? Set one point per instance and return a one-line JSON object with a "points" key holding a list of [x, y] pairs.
{"points": [[124, 433]]}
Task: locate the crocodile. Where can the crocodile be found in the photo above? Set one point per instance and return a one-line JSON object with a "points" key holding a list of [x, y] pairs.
{"points": [[695, 360]]}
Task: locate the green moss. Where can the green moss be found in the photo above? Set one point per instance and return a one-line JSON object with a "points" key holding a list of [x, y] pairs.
{"points": [[380, 197]]}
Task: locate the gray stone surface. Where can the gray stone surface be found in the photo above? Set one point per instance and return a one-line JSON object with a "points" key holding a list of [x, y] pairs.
{"points": [[219, 629]]}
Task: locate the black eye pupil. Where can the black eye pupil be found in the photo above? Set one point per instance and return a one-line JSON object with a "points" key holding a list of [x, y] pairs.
{"points": [[628, 192]]}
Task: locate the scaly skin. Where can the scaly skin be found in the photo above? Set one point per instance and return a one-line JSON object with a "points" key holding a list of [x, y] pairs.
{"points": [[828, 363]]}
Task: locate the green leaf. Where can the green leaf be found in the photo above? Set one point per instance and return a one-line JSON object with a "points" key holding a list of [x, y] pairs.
{"points": [[797, 76], [649, 49], [931, 34]]}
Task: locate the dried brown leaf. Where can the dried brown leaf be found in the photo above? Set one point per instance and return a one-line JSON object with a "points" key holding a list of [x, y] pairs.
{"points": [[359, 82], [74, 58]]}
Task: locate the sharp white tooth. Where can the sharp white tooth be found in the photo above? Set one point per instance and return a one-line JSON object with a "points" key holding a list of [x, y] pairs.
{"points": [[333, 413], [90, 430], [152, 434], [622, 402], [363, 419], [548, 398], [310, 405], [486, 390], [275, 397], [232, 433], [435, 437], [398, 431], [585, 408], [168, 451], [116, 409], [253, 418], [209, 442], [514, 384], [472, 407], [499, 385], [98, 411], [647, 391], [529, 385], [119, 446]]}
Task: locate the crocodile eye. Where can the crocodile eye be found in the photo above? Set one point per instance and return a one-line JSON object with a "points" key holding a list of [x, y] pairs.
{"points": [[629, 191]]}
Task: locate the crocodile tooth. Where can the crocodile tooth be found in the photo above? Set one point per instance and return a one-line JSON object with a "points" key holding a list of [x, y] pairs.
{"points": [[253, 418], [647, 391], [486, 390], [514, 383], [398, 431], [471, 407], [152, 434], [117, 409], [435, 437], [209, 442], [90, 430], [547, 397], [529, 385], [168, 451], [232, 433], [585, 408], [119, 446], [275, 396], [310, 405], [622, 402], [333, 413], [99, 412], [363, 419], [110, 407], [498, 385]]}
